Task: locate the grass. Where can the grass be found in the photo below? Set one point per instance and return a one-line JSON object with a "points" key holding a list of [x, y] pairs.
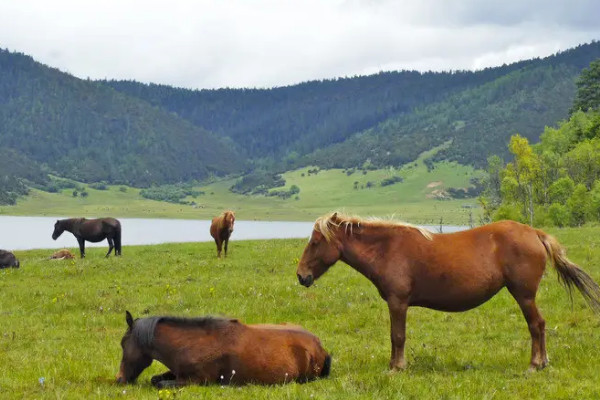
{"points": [[321, 193], [63, 320]]}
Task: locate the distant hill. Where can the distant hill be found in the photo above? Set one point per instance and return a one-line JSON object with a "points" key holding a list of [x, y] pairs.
{"points": [[389, 117], [87, 131]]}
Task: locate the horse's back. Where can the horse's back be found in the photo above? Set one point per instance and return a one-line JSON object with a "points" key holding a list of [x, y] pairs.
{"points": [[292, 352]]}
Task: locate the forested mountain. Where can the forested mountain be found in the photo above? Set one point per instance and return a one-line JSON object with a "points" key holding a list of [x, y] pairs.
{"points": [[390, 117], [87, 131], [478, 121], [143, 134]]}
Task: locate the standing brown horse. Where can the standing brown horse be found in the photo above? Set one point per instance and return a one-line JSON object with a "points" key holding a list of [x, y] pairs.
{"points": [[220, 350], [411, 266], [92, 230], [221, 228]]}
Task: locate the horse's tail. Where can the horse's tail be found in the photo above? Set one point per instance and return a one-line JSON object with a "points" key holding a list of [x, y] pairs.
{"points": [[326, 367], [569, 274]]}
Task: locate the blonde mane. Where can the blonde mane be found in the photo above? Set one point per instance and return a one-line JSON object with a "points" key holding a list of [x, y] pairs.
{"points": [[221, 218], [327, 222]]}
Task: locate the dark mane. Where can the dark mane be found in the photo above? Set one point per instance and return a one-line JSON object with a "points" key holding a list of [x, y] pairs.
{"points": [[144, 328]]}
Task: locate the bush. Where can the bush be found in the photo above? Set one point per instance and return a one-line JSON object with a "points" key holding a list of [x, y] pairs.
{"points": [[391, 180], [258, 182], [170, 193], [509, 211], [559, 214]]}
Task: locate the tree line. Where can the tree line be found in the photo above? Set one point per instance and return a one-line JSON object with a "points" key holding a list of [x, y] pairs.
{"points": [[556, 181]]}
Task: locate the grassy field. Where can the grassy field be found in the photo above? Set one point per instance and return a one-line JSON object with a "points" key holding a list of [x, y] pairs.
{"points": [[62, 321], [321, 193]]}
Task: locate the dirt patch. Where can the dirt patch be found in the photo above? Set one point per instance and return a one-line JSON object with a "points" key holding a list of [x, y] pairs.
{"points": [[434, 184], [438, 194]]}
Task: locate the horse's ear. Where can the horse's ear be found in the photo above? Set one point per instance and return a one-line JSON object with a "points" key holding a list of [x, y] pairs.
{"points": [[129, 319], [334, 215]]}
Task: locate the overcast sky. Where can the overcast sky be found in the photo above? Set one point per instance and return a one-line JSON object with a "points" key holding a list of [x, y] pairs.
{"points": [[264, 43]]}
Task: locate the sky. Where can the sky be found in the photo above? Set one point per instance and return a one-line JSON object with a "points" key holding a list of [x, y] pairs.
{"points": [[205, 44]]}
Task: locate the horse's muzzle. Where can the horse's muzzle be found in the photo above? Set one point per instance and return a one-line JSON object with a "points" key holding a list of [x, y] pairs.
{"points": [[305, 281]]}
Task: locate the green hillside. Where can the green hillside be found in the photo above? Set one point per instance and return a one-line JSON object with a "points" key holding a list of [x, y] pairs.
{"points": [[421, 197], [388, 118], [87, 131]]}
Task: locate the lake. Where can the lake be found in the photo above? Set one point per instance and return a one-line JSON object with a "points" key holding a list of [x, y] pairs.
{"points": [[24, 233]]}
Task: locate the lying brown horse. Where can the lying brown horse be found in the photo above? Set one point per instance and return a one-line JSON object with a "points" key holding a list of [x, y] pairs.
{"points": [[411, 266], [92, 230], [63, 254], [221, 228], [220, 350]]}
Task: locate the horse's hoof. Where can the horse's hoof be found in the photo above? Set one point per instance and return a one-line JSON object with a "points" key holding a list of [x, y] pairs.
{"points": [[398, 367]]}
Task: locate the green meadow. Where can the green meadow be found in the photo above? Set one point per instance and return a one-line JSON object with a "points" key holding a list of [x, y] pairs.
{"points": [[411, 200], [62, 322]]}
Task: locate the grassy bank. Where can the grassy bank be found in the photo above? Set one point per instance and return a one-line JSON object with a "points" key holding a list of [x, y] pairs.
{"points": [[320, 193], [63, 320]]}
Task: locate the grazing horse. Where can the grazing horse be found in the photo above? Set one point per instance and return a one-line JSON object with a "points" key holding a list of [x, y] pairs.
{"points": [[411, 266], [220, 350], [221, 228], [92, 230], [8, 260]]}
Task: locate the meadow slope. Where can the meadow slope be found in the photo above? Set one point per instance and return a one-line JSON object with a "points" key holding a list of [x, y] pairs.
{"points": [[329, 190], [62, 321]]}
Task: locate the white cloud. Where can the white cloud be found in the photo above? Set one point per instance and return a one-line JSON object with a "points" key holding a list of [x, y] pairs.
{"points": [[261, 43]]}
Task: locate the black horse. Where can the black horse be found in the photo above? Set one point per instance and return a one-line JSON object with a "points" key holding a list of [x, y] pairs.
{"points": [[92, 230], [8, 260]]}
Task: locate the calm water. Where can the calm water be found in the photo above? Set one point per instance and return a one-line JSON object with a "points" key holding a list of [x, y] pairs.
{"points": [[23, 233]]}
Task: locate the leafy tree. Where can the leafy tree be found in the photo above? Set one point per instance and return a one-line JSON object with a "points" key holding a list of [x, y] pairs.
{"points": [[579, 205], [595, 201], [588, 89], [561, 190], [525, 171]]}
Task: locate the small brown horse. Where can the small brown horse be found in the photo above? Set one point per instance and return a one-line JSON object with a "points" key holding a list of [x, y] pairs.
{"points": [[63, 254], [221, 229], [411, 266], [92, 230], [220, 350]]}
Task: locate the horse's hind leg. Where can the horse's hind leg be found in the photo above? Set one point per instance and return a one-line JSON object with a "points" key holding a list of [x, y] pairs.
{"points": [[110, 245], [118, 243], [536, 325]]}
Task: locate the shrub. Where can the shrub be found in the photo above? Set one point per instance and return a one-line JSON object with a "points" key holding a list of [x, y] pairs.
{"points": [[558, 214]]}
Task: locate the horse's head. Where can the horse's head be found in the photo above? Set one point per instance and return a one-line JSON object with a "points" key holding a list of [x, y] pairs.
{"points": [[58, 229], [229, 218], [322, 251], [134, 359]]}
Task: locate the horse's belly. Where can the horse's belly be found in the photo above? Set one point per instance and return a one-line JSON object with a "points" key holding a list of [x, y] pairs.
{"points": [[456, 294]]}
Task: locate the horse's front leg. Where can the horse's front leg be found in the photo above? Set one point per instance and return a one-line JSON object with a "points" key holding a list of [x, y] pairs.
{"points": [[398, 310], [81, 242], [219, 246], [110, 246], [167, 376], [226, 243]]}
